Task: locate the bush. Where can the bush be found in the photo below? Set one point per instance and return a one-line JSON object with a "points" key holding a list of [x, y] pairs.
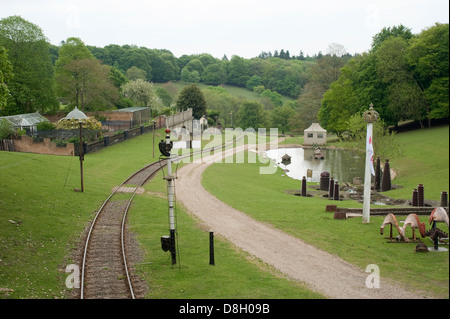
{"points": [[6, 129], [72, 124], [45, 126]]}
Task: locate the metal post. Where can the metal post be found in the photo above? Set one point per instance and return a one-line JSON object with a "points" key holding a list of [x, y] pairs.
{"points": [[336, 191], [170, 191], [211, 248], [421, 197], [386, 181], [444, 200], [378, 175], [154, 126], [415, 198], [81, 157], [304, 186], [331, 190]]}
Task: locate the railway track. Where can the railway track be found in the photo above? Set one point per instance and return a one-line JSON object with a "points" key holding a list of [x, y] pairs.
{"points": [[105, 271]]}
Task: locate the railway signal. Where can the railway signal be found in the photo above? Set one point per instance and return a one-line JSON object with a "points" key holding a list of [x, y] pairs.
{"points": [[168, 242]]}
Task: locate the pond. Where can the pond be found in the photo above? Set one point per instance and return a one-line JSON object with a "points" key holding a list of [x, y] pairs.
{"points": [[343, 165]]}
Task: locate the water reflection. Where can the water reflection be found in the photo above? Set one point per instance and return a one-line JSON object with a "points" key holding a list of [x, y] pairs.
{"points": [[343, 165]]}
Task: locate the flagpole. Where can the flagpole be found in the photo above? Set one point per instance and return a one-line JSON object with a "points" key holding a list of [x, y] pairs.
{"points": [[370, 116]]}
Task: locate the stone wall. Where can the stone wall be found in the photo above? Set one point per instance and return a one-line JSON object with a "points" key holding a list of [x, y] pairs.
{"points": [[180, 120], [27, 145]]}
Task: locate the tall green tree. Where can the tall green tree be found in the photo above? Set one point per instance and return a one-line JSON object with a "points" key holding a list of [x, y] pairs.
{"points": [[72, 49], [406, 94], [399, 31], [86, 84], [214, 74], [192, 97], [281, 118], [338, 104], [428, 56], [252, 115], [6, 73], [32, 88], [82, 80], [239, 71]]}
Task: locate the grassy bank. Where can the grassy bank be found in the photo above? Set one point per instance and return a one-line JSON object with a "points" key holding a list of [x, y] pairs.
{"points": [[42, 219], [234, 275], [264, 197]]}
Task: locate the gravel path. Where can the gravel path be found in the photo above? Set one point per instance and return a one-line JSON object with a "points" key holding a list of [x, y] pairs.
{"points": [[319, 270]]}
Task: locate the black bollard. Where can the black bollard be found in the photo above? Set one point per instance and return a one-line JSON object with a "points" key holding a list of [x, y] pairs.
{"points": [[324, 181], [304, 186], [415, 198], [378, 175], [386, 181], [336, 191], [331, 190], [211, 248], [444, 200], [421, 198]]}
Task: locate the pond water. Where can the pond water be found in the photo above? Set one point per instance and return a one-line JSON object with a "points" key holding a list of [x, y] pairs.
{"points": [[343, 165]]}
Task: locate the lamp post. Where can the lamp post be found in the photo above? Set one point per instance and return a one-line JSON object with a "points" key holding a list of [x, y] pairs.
{"points": [[370, 116], [231, 114], [76, 114], [81, 155], [154, 127]]}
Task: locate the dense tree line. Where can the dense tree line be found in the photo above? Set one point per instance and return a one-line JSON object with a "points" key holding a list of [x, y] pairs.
{"points": [[285, 76], [404, 75]]}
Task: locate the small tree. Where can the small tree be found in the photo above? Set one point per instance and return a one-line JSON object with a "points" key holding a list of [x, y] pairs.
{"points": [[140, 92], [384, 143], [6, 129], [192, 97]]}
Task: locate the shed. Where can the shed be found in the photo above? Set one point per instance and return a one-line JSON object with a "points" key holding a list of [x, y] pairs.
{"points": [[315, 135], [25, 121], [129, 117]]}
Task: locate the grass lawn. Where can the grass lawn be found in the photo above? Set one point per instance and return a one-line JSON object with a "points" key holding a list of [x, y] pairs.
{"points": [[42, 218], [234, 275], [264, 198]]}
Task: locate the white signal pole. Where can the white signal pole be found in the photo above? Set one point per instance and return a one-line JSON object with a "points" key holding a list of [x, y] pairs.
{"points": [[170, 192]]}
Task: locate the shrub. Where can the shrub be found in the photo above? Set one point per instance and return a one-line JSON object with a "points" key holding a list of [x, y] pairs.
{"points": [[45, 126], [6, 129]]}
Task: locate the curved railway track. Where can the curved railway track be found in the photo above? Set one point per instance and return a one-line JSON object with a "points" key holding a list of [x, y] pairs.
{"points": [[105, 272]]}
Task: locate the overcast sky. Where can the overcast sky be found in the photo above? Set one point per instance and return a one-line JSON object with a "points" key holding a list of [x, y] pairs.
{"points": [[231, 27]]}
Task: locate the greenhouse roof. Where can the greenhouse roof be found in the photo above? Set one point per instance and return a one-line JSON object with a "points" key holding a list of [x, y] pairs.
{"points": [[131, 109], [75, 114], [21, 120]]}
